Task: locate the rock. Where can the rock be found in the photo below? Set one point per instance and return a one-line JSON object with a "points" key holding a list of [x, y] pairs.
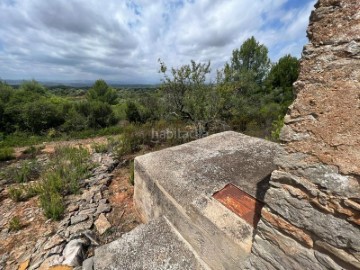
{"points": [[102, 224], [24, 265], [73, 207], [302, 214], [88, 264], [78, 218], [61, 267], [340, 254], [51, 261], [286, 227], [277, 251], [89, 211], [73, 229], [54, 241], [74, 252], [103, 208], [56, 250]]}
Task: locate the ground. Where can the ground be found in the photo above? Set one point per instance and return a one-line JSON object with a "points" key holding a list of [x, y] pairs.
{"points": [[34, 225]]}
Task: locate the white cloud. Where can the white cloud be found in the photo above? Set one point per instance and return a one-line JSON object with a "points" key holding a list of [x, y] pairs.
{"points": [[122, 40]]}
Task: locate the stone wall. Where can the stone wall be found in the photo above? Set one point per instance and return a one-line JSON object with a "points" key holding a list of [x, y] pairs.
{"points": [[312, 214]]}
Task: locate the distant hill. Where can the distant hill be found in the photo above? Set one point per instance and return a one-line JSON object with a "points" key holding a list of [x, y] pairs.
{"points": [[83, 83]]}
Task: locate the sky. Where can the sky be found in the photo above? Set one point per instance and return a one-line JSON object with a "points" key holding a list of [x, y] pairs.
{"points": [[122, 40]]}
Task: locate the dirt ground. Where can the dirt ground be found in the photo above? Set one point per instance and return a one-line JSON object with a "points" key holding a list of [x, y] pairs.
{"points": [[35, 225]]}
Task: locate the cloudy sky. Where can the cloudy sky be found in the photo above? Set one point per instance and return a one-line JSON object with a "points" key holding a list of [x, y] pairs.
{"points": [[121, 40]]}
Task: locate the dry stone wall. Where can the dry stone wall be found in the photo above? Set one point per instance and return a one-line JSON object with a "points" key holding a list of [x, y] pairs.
{"points": [[312, 214]]}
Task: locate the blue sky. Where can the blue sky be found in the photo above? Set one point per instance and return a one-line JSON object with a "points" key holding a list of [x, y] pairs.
{"points": [[122, 40]]}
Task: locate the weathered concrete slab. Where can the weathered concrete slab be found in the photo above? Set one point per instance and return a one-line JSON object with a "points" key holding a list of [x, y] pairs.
{"points": [[152, 246], [179, 183]]}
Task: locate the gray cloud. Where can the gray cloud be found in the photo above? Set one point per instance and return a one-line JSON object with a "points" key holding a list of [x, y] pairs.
{"points": [[122, 40]]}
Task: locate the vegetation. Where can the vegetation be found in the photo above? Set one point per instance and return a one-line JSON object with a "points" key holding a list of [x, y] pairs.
{"points": [[15, 224], [132, 173], [250, 95], [6, 153], [67, 167]]}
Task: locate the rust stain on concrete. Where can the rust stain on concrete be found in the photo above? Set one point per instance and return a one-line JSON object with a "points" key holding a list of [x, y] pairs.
{"points": [[241, 203]]}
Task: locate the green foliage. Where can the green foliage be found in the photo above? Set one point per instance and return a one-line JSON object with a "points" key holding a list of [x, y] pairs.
{"points": [[130, 141], [27, 170], [250, 62], [100, 147], [6, 153], [24, 192], [188, 96], [33, 151], [67, 167], [132, 173], [132, 112], [33, 87], [15, 224], [277, 126], [52, 204], [16, 193], [102, 92]]}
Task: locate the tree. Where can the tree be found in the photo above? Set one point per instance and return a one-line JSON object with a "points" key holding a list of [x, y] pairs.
{"points": [[281, 78], [100, 91], [41, 115], [132, 113], [33, 87], [248, 67], [188, 96]]}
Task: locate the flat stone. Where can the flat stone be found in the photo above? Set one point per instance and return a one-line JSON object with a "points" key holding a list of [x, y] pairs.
{"points": [[54, 241], [56, 250], [89, 211], [61, 267], [102, 224], [51, 261], [24, 265], [83, 226], [147, 247], [74, 252], [78, 218], [73, 207], [103, 208]]}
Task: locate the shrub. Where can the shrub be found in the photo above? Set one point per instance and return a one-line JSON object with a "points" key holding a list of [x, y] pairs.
{"points": [[27, 171], [67, 167], [32, 190], [53, 205], [100, 147], [130, 141], [132, 173], [276, 128], [15, 224], [16, 194], [6, 153]]}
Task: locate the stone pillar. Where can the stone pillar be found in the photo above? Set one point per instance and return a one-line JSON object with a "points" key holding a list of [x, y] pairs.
{"points": [[312, 214]]}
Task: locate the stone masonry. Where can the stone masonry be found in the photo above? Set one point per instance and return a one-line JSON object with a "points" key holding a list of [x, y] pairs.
{"points": [[312, 214]]}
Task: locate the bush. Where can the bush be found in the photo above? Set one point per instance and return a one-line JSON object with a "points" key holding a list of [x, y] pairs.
{"points": [[132, 173], [16, 194], [15, 224], [276, 129], [6, 153], [67, 167], [100, 147], [53, 205], [27, 171]]}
